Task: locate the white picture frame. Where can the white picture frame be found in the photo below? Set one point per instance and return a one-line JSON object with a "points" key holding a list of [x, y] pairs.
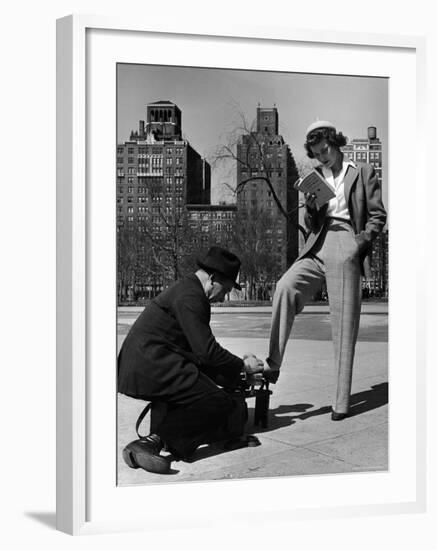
{"points": [[87, 499]]}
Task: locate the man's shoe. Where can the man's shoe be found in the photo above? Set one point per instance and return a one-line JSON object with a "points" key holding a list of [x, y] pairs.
{"points": [[245, 440], [144, 453], [338, 416]]}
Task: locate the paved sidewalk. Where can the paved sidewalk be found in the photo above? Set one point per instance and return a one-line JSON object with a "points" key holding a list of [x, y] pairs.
{"points": [[301, 439]]}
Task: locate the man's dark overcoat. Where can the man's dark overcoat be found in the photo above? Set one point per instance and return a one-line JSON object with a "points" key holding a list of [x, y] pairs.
{"points": [[170, 342]]}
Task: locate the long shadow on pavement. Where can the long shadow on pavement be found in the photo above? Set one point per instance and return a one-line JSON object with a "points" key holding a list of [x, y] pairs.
{"points": [[278, 421], [360, 402]]}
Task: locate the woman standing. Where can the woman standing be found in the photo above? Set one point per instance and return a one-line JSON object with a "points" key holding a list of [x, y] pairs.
{"points": [[341, 233]]}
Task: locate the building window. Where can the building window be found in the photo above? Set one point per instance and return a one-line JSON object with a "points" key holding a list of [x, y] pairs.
{"points": [[169, 161], [130, 150], [156, 164]]}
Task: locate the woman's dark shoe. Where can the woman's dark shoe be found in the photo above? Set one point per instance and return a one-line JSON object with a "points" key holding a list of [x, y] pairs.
{"points": [[338, 416], [271, 375], [144, 453]]}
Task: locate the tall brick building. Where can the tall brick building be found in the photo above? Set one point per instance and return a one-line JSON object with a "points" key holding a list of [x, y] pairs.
{"points": [[213, 224], [158, 173], [376, 283], [369, 150], [366, 150], [263, 154]]}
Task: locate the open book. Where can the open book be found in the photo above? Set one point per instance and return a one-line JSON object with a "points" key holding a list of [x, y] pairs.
{"points": [[315, 183]]}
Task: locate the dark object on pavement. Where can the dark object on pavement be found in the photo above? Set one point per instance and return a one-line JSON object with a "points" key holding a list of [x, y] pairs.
{"points": [[262, 399]]}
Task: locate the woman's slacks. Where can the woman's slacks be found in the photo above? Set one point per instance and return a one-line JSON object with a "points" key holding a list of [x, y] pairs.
{"points": [[334, 258]]}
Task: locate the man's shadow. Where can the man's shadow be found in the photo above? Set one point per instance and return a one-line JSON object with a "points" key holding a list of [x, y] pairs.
{"points": [[285, 415]]}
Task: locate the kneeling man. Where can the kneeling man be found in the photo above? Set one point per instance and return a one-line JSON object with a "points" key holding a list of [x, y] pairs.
{"points": [[170, 355]]}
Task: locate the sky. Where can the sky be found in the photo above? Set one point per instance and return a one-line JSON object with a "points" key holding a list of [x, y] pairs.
{"points": [[211, 100]]}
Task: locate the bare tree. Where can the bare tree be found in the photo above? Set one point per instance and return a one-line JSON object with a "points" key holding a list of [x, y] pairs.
{"points": [[132, 248], [251, 240], [171, 243], [248, 149]]}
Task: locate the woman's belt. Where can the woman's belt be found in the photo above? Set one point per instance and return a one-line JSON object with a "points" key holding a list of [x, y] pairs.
{"points": [[336, 219]]}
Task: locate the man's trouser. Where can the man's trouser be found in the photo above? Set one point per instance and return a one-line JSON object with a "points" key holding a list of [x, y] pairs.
{"points": [[204, 413], [334, 258]]}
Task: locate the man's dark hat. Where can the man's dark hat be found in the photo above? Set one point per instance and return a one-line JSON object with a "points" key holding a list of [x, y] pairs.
{"points": [[221, 261]]}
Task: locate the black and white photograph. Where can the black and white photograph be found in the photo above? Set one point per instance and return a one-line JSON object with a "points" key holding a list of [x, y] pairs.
{"points": [[252, 274], [218, 275]]}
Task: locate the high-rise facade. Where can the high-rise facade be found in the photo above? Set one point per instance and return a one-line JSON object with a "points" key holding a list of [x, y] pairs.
{"points": [[266, 169], [366, 150], [158, 173], [369, 150], [213, 224], [376, 282]]}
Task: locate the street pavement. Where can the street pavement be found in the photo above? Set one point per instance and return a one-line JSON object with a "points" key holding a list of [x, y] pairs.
{"points": [[301, 438]]}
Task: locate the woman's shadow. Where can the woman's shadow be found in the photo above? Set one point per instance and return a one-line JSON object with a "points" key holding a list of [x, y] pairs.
{"points": [[286, 415], [360, 402]]}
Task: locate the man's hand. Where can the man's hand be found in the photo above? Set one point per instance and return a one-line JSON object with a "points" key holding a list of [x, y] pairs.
{"points": [[252, 364]]}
